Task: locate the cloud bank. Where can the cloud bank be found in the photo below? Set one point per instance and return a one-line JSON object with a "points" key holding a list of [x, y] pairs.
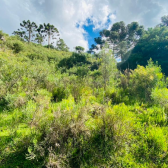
{"points": [[67, 14]]}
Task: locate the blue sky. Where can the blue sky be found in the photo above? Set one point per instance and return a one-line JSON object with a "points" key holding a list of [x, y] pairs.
{"points": [[92, 33]]}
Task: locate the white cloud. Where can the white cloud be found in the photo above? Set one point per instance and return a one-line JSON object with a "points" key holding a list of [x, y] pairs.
{"points": [[66, 14]]}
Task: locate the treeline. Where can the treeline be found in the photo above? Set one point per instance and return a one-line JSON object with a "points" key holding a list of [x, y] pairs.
{"points": [[29, 31], [134, 45]]}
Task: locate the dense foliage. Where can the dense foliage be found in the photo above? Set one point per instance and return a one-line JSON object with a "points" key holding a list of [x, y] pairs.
{"points": [[121, 37], [60, 109], [153, 45]]}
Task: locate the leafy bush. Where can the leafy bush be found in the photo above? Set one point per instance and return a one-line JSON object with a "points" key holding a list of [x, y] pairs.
{"points": [[58, 94], [160, 96], [140, 82], [16, 45], [75, 60]]}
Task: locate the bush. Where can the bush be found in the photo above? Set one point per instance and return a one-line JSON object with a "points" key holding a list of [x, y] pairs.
{"points": [[75, 60], [16, 45], [160, 96], [139, 83], [58, 94]]}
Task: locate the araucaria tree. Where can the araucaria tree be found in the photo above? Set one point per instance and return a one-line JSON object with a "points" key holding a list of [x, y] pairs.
{"points": [[27, 30], [121, 37], [50, 31], [39, 36]]}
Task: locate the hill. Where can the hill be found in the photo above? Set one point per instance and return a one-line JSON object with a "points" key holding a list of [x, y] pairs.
{"points": [[64, 109]]}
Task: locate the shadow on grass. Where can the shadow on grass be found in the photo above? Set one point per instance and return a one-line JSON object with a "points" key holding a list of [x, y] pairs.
{"points": [[14, 155], [18, 160]]}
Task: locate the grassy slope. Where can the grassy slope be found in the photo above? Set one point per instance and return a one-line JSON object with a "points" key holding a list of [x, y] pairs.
{"points": [[85, 126]]}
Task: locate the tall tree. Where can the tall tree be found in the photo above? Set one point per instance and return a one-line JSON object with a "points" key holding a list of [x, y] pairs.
{"points": [[164, 20], [108, 67], [93, 48], [121, 37], [134, 32], [122, 49], [61, 45], [39, 36], [27, 30], [50, 31], [99, 41]]}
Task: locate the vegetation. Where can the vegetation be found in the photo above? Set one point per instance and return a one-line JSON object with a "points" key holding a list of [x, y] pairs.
{"points": [[79, 49], [26, 31], [30, 32], [121, 37], [153, 45], [61, 109], [61, 45]]}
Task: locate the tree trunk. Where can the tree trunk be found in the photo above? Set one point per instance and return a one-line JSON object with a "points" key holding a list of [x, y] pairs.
{"points": [[29, 36]]}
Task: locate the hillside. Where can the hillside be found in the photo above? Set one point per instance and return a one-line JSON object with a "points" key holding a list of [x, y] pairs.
{"points": [[63, 109]]}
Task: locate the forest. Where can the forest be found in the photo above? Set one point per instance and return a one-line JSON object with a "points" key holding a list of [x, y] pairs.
{"points": [[62, 109]]}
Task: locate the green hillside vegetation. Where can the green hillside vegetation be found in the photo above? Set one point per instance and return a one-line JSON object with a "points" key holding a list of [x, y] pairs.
{"points": [[153, 44], [135, 46], [60, 109]]}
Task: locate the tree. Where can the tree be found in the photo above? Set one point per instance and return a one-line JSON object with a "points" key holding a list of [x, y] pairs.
{"points": [[164, 20], [99, 41], [61, 45], [122, 49], [121, 37], [108, 66], [26, 31], [93, 48], [153, 44], [50, 31], [39, 36], [79, 49], [119, 32], [134, 32]]}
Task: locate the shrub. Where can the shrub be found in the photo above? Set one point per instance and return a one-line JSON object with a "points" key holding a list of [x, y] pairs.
{"points": [[75, 60], [16, 45], [160, 96], [58, 94], [139, 83]]}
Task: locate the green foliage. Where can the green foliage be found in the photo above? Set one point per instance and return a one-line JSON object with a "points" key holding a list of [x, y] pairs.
{"points": [[58, 94], [79, 49], [61, 45], [26, 31], [121, 37], [164, 20], [160, 96], [140, 82], [108, 66], [63, 109], [18, 47], [153, 44], [75, 59]]}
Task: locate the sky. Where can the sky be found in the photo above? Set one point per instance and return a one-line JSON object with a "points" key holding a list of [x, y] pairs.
{"points": [[80, 21]]}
